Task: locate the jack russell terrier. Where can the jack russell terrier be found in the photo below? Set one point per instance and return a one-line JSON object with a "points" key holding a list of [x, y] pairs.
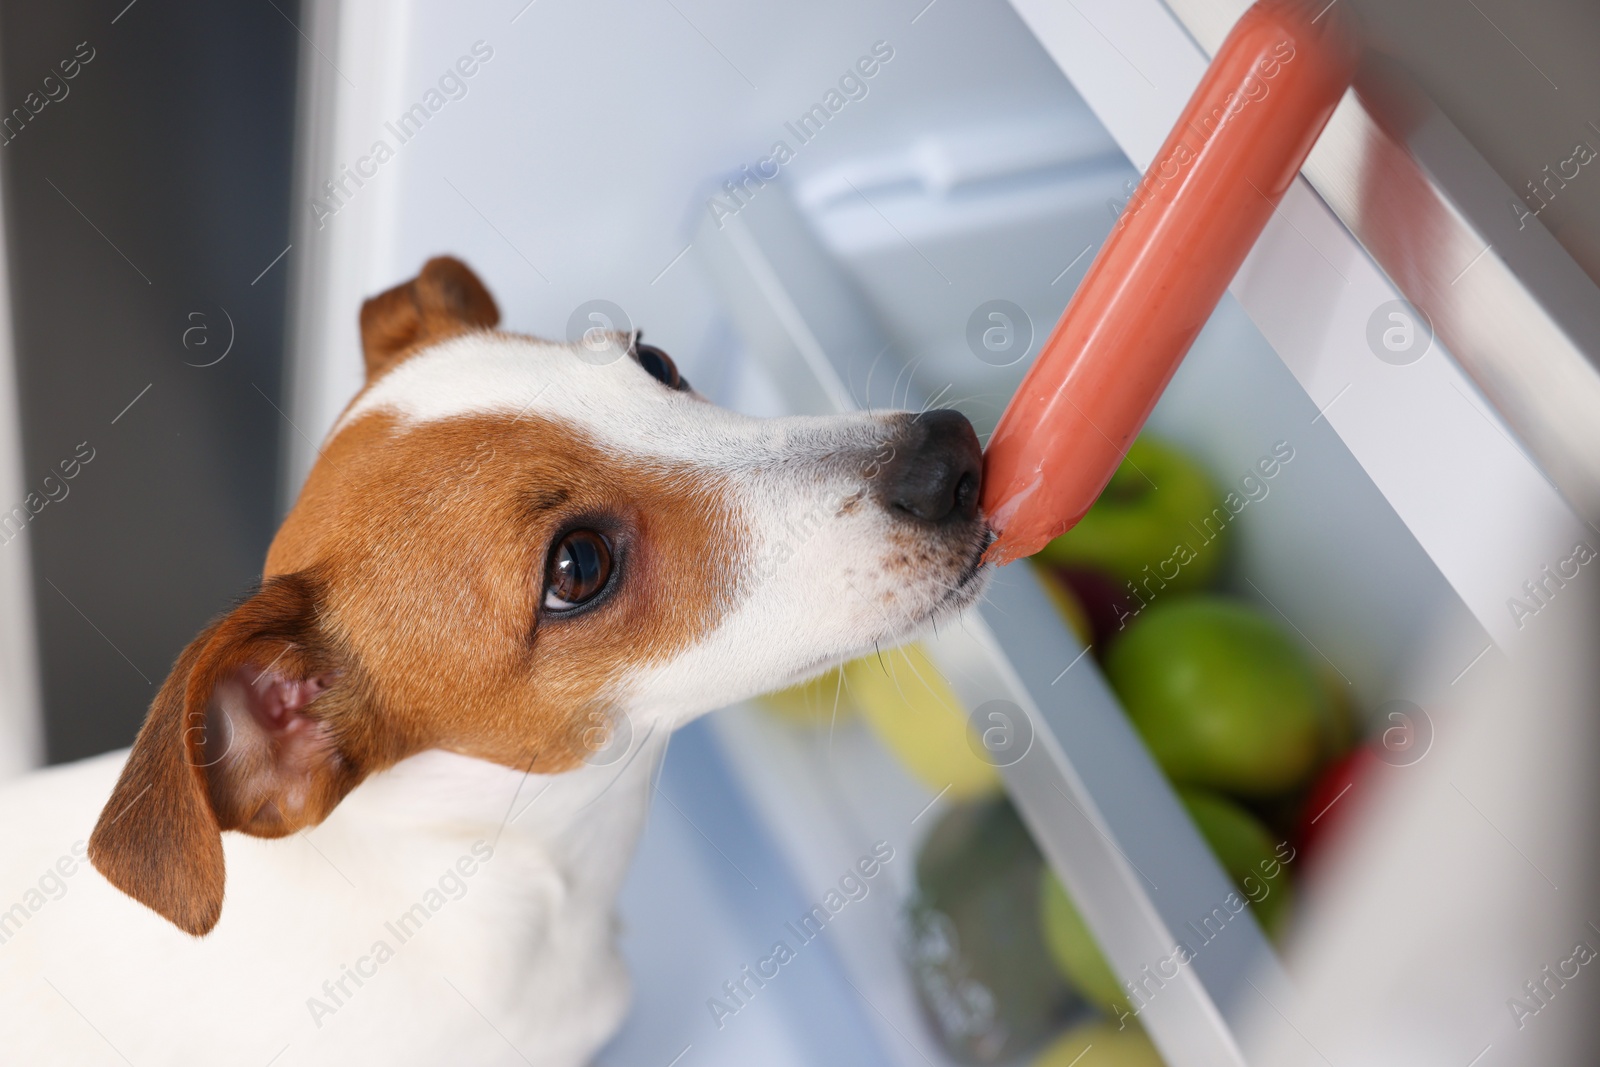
{"points": [[507, 549]]}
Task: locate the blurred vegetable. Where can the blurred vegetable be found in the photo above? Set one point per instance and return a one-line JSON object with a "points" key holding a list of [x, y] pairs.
{"points": [[1257, 867], [982, 973], [1075, 950], [1101, 1044], [1338, 792], [1255, 863], [823, 700], [1160, 515], [1221, 695], [919, 717]]}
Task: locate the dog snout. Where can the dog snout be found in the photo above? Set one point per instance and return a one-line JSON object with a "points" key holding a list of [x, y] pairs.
{"points": [[937, 469]]}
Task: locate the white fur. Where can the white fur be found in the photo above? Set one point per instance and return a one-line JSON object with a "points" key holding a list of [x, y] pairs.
{"points": [[831, 598], [527, 954], [93, 977]]}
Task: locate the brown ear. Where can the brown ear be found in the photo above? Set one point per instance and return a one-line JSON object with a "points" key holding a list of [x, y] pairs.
{"points": [[231, 742], [442, 301]]}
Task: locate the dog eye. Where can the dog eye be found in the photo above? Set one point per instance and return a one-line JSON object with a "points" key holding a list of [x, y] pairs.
{"points": [[659, 366], [579, 568]]}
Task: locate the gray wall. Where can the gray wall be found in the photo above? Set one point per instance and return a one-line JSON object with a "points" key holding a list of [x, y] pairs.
{"points": [[142, 203]]}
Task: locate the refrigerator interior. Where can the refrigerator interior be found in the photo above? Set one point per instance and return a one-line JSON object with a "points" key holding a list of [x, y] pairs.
{"points": [[965, 170], [1322, 550]]}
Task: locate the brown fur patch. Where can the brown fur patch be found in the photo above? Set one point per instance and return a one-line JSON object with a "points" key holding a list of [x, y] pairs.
{"points": [[159, 810], [409, 577], [412, 570], [159, 837], [432, 542], [444, 300]]}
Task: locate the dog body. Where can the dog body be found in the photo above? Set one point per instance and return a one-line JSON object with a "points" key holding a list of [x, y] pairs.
{"points": [[366, 941], [516, 567]]}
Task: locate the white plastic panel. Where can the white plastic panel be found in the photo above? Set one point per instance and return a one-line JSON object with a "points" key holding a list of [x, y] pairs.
{"points": [[21, 722]]}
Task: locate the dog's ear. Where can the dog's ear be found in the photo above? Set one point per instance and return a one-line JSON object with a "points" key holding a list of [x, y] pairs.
{"points": [[444, 300], [232, 742]]}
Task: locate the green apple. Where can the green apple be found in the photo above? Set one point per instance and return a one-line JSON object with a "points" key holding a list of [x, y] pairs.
{"points": [[1222, 696], [916, 714], [1075, 950], [1160, 523], [1344, 715], [1247, 852], [1100, 1044], [1241, 844]]}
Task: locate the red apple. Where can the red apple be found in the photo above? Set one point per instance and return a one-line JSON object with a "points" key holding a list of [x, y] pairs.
{"points": [[1336, 794]]}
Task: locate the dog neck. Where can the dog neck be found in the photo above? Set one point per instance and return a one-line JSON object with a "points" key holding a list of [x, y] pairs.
{"points": [[579, 826]]}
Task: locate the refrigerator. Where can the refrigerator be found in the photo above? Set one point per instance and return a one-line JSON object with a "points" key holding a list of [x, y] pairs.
{"points": [[846, 207]]}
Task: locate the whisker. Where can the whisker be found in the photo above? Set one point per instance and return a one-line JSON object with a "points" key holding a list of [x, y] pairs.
{"points": [[838, 694], [894, 389], [866, 402], [974, 398], [933, 401]]}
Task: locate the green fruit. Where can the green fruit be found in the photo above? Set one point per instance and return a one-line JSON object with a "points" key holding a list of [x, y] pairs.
{"points": [[1152, 514], [1100, 1044], [1074, 949], [1243, 848], [1246, 851], [1221, 695], [1344, 716], [920, 719], [982, 973]]}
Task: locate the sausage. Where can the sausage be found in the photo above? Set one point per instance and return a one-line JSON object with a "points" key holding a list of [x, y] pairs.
{"points": [[1177, 244]]}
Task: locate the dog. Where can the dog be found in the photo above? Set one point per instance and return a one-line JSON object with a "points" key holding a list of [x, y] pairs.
{"points": [[508, 552]]}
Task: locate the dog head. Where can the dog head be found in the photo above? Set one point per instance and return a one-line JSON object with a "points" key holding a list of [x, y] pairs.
{"points": [[508, 545]]}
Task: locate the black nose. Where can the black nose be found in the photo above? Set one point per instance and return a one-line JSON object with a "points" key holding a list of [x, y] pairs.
{"points": [[937, 469]]}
